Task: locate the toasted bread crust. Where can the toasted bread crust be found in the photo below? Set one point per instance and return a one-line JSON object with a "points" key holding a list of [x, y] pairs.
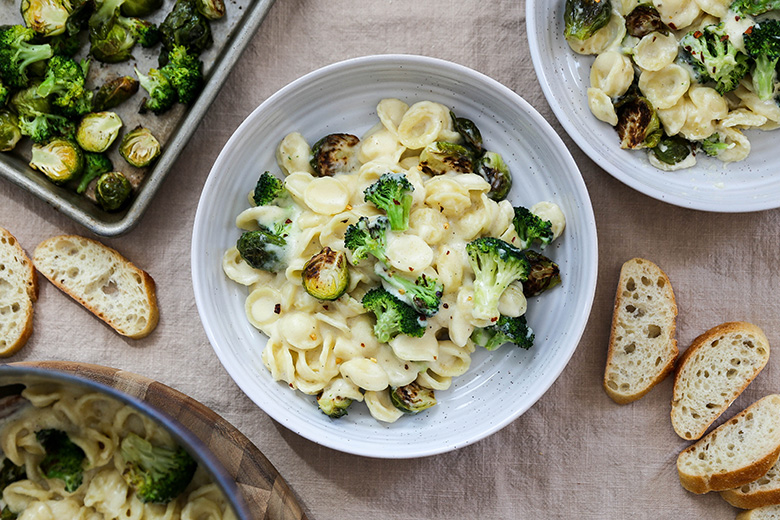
{"points": [[662, 354], [20, 275]]}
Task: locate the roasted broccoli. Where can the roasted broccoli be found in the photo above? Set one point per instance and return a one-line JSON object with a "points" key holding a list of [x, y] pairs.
{"points": [[714, 58], [65, 86], [268, 189], [754, 7], [119, 40], [332, 404], [366, 237], [63, 460], [326, 275], [183, 70], [17, 54], [492, 168], [262, 249], [441, 157], [714, 146], [496, 264], [95, 165], [582, 18], [4, 93], [762, 43], [162, 95], [393, 316], [543, 275], [334, 153], [393, 194], [505, 330], [184, 25], [10, 473], [156, 473], [531, 229], [36, 118], [423, 293], [638, 123], [412, 398]]}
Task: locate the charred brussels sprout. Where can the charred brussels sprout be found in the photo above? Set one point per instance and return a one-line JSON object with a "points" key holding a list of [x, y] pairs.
{"points": [[584, 17], [60, 160], [117, 43], [492, 168], [442, 157], [9, 131], [643, 20], [672, 149], [412, 398], [185, 26], [114, 92], [139, 147], [112, 191], [140, 7], [98, 130], [543, 275], [468, 131], [638, 124], [95, 165], [332, 405], [326, 275], [334, 153], [211, 9], [46, 17], [262, 249]]}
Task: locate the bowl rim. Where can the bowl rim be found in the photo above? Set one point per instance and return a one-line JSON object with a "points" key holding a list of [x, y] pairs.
{"points": [[178, 431], [561, 113], [198, 264]]}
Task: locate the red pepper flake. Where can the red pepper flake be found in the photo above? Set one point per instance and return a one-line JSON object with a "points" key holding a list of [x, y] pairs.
{"points": [[749, 30], [724, 38], [448, 252], [672, 26], [445, 305], [411, 268], [737, 18], [495, 319], [288, 221], [278, 308], [363, 345], [698, 34]]}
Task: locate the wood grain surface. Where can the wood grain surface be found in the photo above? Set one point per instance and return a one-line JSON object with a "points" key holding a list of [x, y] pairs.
{"points": [[265, 491]]}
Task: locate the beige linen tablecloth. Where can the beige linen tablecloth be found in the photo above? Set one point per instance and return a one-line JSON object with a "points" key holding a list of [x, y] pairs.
{"points": [[575, 454]]}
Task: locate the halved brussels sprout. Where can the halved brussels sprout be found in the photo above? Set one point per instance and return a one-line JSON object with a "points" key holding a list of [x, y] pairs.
{"points": [[112, 191], [98, 130], [332, 405], [492, 168], [95, 165], [334, 153], [46, 17], [114, 92], [140, 8], [643, 20], [326, 275], [442, 157], [638, 124], [543, 275], [412, 398], [9, 130], [672, 149], [582, 18], [262, 249], [59, 159], [139, 147], [468, 131], [211, 9]]}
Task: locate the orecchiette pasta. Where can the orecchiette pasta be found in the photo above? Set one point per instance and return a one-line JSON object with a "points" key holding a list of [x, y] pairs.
{"points": [[328, 348], [97, 424]]}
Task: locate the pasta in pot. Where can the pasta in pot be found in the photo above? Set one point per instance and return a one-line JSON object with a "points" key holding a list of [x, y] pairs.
{"points": [[329, 348], [97, 424]]}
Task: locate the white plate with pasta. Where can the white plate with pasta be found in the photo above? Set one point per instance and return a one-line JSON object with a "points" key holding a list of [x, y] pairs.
{"points": [[314, 343], [749, 184]]}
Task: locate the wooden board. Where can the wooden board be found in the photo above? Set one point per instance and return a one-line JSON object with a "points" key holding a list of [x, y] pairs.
{"points": [[265, 491]]}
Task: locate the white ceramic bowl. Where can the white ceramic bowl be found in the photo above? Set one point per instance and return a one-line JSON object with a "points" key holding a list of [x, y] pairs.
{"points": [[500, 386], [711, 185]]}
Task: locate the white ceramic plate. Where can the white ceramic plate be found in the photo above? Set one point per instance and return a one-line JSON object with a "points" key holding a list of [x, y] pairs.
{"points": [[500, 386], [711, 185]]}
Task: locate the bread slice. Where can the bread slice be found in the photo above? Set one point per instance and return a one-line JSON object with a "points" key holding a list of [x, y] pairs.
{"points": [[761, 513], [739, 451], [102, 280], [764, 491], [712, 373], [18, 292], [642, 345]]}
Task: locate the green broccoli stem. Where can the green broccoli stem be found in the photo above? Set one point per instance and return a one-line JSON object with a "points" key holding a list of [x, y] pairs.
{"points": [[764, 76], [30, 53]]}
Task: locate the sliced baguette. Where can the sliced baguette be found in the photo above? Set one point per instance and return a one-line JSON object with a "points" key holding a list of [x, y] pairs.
{"points": [[101, 280], [739, 451], [764, 491], [712, 373], [761, 513], [18, 292], [642, 344]]}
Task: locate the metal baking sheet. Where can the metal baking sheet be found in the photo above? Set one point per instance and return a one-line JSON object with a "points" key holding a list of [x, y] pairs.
{"points": [[231, 35]]}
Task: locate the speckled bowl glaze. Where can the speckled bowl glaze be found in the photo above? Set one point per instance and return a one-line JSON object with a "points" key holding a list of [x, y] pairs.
{"points": [[711, 185], [499, 386]]}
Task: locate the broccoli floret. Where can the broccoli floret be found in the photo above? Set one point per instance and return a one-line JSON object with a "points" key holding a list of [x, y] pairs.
{"points": [[715, 58], [762, 43], [531, 228], [754, 7], [423, 294], [63, 459], [144, 32], [157, 474], [263, 249], [162, 95], [713, 146], [11, 473], [364, 237], [505, 330], [7, 514], [268, 189], [393, 316], [393, 194], [64, 84], [36, 119], [95, 165], [544, 274], [16, 54], [496, 264], [184, 71], [4, 93]]}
